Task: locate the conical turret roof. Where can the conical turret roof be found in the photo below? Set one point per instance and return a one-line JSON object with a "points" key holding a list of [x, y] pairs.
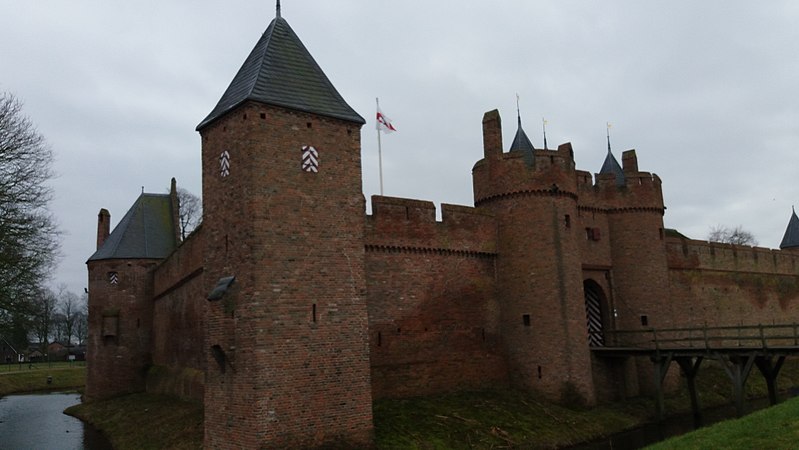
{"points": [[521, 143], [612, 166], [280, 71], [791, 237]]}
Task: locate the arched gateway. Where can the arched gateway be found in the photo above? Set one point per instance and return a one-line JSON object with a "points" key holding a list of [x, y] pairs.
{"points": [[594, 305]]}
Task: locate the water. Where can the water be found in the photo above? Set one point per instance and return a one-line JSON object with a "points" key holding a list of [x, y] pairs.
{"points": [[37, 421], [651, 433]]}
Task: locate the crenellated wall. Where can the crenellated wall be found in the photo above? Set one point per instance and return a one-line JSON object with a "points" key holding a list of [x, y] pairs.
{"points": [[724, 284], [433, 317], [178, 351]]}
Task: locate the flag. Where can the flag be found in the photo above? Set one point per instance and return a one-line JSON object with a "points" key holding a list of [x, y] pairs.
{"points": [[384, 123]]}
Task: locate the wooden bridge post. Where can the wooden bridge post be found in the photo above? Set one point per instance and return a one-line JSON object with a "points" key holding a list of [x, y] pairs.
{"points": [[738, 369], [661, 364], [690, 368], [770, 374]]}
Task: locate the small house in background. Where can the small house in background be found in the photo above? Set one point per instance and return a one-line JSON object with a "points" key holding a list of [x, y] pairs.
{"points": [[57, 351]]}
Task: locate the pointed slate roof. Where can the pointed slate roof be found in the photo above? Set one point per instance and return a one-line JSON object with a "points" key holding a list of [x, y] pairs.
{"points": [[521, 143], [281, 72], [612, 166], [791, 237], [147, 231]]}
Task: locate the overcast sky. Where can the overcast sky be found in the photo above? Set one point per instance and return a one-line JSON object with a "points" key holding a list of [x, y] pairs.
{"points": [[707, 92]]}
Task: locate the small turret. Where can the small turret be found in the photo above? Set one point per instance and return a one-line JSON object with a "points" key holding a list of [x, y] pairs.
{"points": [[611, 166], [790, 241], [521, 144]]}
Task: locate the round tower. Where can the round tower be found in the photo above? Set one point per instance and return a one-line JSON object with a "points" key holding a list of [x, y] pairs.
{"points": [[120, 294], [634, 204], [283, 212], [533, 196]]}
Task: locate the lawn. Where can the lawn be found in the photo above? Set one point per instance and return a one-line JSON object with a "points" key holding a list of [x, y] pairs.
{"points": [[15, 378], [773, 428]]}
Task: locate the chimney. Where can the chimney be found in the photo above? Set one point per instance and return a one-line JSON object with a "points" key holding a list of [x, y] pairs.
{"points": [[103, 227], [492, 133], [175, 202], [629, 161]]}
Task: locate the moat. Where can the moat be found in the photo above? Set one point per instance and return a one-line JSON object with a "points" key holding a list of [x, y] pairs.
{"points": [[37, 421]]}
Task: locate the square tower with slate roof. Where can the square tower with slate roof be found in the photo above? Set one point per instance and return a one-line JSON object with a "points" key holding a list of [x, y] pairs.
{"points": [[287, 327]]}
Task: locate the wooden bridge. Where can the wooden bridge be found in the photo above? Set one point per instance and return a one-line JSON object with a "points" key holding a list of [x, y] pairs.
{"points": [[737, 348]]}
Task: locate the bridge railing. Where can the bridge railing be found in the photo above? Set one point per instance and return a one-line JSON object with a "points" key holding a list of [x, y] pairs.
{"points": [[706, 337]]}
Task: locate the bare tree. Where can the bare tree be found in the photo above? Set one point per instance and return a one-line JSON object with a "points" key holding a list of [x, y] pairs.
{"points": [[82, 320], [190, 212], [727, 235], [28, 235], [44, 317], [69, 307]]}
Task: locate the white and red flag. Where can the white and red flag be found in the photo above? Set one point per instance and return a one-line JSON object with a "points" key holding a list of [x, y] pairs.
{"points": [[384, 123]]}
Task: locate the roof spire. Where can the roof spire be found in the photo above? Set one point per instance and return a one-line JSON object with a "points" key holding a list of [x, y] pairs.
{"points": [[544, 126], [608, 134], [277, 9], [521, 143]]}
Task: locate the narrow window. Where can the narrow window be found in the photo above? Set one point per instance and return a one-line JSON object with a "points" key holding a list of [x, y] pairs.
{"points": [[526, 320], [644, 320], [568, 221], [263, 115], [484, 334], [539, 372], [245, 117], [313, 313], [379, 339], [308, 124]]}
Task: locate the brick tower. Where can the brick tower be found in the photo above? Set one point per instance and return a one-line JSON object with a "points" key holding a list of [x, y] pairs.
{"points": [[120, 293], [633, 201], [533, 195], [287, 338]]}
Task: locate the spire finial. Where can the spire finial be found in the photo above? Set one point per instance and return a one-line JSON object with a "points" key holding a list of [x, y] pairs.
{"points": [[608, 134], [277, 9], [518, 111], [544, 126]]}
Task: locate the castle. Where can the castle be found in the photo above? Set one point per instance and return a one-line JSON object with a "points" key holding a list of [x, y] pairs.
{"points": [[289, 310]]}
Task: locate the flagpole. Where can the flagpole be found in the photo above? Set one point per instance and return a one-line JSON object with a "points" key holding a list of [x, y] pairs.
{"points": [[379, 149]]}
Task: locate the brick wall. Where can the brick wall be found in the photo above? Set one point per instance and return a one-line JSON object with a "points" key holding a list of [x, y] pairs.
{"points": [[723, 284], [293, 330], [120, 319], [179, 321], [433, 316]]}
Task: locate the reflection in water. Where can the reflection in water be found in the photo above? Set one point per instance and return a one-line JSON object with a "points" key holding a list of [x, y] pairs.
{"points": [[37, 421]]}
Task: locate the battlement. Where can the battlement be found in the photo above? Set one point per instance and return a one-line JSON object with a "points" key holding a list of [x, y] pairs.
{"points": [[690, 254], [399, 223]]}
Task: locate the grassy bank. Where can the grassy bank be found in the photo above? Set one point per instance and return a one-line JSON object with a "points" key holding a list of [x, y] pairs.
{"points": [[776, 427], [24, 379], [145, 421], [485, 419]]}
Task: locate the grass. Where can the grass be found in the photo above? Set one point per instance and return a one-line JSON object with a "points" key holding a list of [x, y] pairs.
{"points": [[139, 421], [498, 418], [25, 379], [772, 428]]}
